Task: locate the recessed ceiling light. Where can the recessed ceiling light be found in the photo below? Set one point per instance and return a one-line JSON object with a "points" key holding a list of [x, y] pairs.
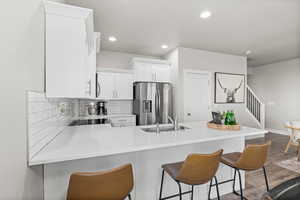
{"points": [[164, 46], [248, 52], [205, 14], [112, 39]]}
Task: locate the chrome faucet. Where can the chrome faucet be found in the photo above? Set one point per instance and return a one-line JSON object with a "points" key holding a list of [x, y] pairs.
{"points": [[157, 127], [174, 122]]}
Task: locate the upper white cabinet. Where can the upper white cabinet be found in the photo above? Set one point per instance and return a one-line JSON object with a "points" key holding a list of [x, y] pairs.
{"points": [[70, 51], [114, 85], [151, 70]]}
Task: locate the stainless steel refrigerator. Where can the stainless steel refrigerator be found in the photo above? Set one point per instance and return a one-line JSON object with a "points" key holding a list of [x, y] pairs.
{"points": [[152, 102]]}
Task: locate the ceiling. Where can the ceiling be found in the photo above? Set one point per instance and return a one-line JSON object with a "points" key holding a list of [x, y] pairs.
{"points": [[269, 28]]}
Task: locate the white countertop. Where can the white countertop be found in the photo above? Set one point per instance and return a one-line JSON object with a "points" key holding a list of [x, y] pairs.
{"points": [[89, 141]]}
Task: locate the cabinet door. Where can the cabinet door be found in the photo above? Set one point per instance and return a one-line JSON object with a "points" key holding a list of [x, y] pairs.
{"points": [[162, 73], [91, 72], [143, 72], [106, 85], [67, 51], [65, 60], [123, 86]]}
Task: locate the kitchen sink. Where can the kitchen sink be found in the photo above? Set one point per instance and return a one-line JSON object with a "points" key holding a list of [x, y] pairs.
{"points": [[164, 129]]}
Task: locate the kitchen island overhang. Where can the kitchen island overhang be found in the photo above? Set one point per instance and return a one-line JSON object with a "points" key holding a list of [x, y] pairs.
{"points": [[93, 148]]}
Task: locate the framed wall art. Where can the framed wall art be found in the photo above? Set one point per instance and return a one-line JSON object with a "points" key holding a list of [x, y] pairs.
{"points": [[229, 88]]}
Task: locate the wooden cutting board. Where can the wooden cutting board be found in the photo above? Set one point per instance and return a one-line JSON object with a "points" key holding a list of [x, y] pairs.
{"points": [[224, 127]]}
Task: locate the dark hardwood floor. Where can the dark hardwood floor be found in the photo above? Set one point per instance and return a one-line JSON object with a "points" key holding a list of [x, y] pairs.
{"points": [[255, 184]]}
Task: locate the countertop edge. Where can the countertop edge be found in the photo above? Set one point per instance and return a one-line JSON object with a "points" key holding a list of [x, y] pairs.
{"points": [[34, 162]]}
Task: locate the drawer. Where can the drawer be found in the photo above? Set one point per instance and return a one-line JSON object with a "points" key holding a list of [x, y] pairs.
{"points": [[128, 119], [122, 121]]}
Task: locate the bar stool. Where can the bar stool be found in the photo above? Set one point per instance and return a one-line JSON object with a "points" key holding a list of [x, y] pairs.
{"points": [[115, 184], [253, 157], [195, 170]]}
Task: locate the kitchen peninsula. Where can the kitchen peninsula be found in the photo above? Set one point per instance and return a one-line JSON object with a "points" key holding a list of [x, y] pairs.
{"points": [[94, 148]]}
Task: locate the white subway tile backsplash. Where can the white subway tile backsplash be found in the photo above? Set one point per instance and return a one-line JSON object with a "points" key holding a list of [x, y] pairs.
{"points": [[46, 119], [119, 107], [113, 107]]}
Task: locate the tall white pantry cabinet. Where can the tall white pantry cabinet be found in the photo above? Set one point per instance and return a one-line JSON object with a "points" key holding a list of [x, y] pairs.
{"points": [[70, 51]]}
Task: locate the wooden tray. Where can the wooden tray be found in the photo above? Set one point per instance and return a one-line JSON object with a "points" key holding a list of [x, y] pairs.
{"points": [[224, 127]]}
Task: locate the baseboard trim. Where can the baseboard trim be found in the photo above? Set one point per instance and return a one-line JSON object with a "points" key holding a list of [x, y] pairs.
{"points": [[278, 131], [255, 136]]}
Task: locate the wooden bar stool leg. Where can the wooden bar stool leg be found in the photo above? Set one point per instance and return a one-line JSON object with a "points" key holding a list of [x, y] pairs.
{"points": [[192, 194], [266, 179], [161, 184]]}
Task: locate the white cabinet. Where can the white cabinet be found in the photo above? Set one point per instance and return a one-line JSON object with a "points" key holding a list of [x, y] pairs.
{"points": [[105, 85], [122, 121], [124, 85], [70, 51], [91, 71], [162, 73], [114, 85], [143, 72], [151, 70]]}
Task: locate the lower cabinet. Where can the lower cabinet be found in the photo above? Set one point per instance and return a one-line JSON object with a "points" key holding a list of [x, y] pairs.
{"points": [[122, 121]]}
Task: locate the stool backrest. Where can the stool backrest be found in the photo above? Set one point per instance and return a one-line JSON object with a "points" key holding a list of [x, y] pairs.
{"points": [[254, 156], [199, 168], [114, 184]]}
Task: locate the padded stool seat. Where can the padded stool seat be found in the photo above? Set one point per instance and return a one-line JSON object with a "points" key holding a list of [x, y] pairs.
{"points": [[253, 157], [114, 184], [172, 169], [231, 158], [197, 169]]}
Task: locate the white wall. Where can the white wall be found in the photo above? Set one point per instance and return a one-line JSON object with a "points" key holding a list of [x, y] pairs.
{"points": [[195, 59], [278, 85], [112, 59], [21, 68], [173, 57]]}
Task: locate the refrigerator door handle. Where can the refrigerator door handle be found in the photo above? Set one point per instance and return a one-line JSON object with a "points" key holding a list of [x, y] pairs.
{"points": [[157, 104]]}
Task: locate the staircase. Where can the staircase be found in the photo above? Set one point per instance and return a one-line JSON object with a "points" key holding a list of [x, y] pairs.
{"points": [[255, 107]]}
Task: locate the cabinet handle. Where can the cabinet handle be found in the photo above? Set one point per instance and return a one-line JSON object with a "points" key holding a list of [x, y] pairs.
{"points": [[98, 89], [90, 87], [88, 90]]}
